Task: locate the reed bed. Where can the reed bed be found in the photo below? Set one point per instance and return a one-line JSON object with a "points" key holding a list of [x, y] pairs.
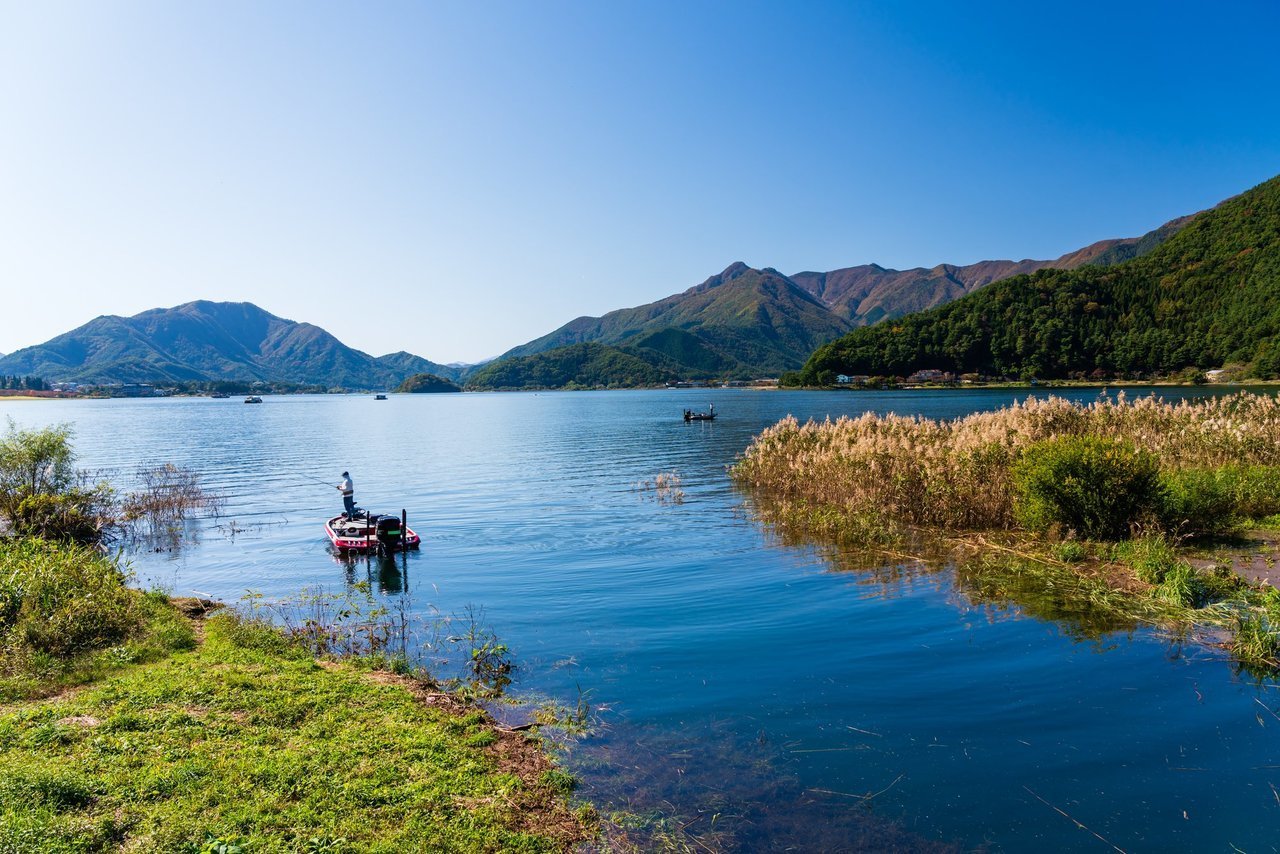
{"points": [[958, 474]]}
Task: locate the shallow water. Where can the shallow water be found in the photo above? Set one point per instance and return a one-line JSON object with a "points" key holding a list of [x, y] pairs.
{"points": [[757, 692]]}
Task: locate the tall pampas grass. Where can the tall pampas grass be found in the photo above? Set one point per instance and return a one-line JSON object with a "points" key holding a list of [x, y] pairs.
{"points": [[957, 474]]}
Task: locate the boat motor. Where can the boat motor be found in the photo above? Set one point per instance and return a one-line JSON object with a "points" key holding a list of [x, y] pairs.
{"points": [[389, 534]]}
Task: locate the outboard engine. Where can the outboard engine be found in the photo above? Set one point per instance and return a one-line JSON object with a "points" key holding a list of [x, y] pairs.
{"points": [[389, 534]]}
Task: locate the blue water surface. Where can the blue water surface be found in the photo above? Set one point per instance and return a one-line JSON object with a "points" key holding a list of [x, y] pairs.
{"points": [[761, 696]]}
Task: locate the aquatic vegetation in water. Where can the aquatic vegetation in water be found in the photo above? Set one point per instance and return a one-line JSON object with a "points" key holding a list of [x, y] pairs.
{"points": [[962, 474], [664, 486], [462, 652], [43, 494]]}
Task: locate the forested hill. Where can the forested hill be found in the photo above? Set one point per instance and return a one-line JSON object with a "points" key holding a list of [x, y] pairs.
{"points": [[585, 365], [1207, 297], [208, 341]]}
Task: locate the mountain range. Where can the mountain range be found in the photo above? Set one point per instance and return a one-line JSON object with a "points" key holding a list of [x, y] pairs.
{"points": [[744, 322], [740, 323], [209, 341], [1207, 296], [871, 293]]}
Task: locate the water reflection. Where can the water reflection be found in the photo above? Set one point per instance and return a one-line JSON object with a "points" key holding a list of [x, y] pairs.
{"points": [[388, 574]]}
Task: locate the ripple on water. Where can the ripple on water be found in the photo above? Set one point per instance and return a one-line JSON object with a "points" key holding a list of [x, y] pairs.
{"points": [[733, 676]]}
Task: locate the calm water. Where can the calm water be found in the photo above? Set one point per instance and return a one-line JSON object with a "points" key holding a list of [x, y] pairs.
{"points": [[748, 687]]}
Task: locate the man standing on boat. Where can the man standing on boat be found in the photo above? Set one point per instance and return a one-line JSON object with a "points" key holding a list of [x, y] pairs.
{"points": [[348, 494]]}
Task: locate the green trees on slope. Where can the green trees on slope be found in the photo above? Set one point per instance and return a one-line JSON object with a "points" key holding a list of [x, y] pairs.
{"points": [[1207, 297], [578, 365]]}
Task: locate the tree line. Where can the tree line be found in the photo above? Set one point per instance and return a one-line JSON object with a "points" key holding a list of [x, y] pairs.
{"points": [[20, 383]]}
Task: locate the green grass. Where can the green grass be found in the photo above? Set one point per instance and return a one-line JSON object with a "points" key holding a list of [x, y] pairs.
{"points": [[247, 742], [121, 730], [68, 618]]}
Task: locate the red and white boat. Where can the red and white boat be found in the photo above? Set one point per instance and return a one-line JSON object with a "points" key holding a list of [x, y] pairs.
{"points": [[371, 532]]}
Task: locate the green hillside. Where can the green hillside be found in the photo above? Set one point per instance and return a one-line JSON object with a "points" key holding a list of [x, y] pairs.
{"points": [[587, 365], [743, 321], [211, 341], [1208, 296]]}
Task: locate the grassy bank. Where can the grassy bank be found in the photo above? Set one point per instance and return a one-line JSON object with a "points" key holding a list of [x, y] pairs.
{"points": [[125, 725], [1101, 498]]}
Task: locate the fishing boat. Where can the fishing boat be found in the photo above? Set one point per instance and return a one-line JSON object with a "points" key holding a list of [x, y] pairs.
{"points": [[253, 399], [690, 415], [371, 532], [379, 397]]}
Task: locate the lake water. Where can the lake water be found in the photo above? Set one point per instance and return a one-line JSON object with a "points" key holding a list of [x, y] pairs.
{"points": [[764, 696]]}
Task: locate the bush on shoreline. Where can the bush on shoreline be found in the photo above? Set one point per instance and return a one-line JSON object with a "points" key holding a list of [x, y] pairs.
{"points": [[1095, 487]]}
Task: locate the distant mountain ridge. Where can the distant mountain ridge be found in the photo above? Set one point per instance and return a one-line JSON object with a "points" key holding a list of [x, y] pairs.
{"points": [[745, 322], [203, 341], [870, 293]]}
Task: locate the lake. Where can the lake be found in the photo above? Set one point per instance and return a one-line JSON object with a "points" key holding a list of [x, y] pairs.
{"points": [[761, 695]]}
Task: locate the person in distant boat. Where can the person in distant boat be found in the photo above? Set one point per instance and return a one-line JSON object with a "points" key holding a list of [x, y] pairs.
{"points": [[711, 408], [348, 490]]}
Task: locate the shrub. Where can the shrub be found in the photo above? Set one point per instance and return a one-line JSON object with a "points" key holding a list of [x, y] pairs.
{"points": [[62, 600], [1096, 487], [70, 516], [36, 461]]}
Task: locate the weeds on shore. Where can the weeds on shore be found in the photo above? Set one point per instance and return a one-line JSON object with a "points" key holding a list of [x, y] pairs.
{"points": [[67, 617], [464, 653]]}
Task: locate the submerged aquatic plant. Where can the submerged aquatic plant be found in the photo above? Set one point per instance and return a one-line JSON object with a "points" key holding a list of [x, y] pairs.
{"points": [[665, 487]]}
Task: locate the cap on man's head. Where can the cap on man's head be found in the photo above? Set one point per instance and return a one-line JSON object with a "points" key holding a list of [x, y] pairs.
{"points": [[346, 474]]}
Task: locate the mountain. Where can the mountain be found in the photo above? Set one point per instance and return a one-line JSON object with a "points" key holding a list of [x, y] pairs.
{"points": [[745, 322], [740, 321], [1208, 295], [586, 365], [204, 341], [870, 293]]}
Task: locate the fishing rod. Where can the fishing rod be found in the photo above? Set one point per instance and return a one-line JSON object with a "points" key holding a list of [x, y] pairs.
{"points": [[319, 480]]}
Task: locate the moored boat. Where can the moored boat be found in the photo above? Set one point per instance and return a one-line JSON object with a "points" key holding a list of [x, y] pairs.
{"points": [[379, 397], [253, 399], [371, 532]]}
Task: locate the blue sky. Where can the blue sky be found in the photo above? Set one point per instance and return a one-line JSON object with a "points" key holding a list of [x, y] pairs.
{"points": [[454, 179]]}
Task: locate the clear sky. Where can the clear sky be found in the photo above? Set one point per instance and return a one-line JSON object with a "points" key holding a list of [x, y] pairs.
{"points": [[456, 178]]}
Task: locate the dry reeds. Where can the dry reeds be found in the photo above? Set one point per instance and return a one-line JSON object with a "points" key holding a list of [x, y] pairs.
{"points": [[958, 474], [665, 487]]}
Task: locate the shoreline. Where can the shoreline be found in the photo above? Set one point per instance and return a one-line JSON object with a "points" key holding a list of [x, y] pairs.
{"points": [[233, 699]]}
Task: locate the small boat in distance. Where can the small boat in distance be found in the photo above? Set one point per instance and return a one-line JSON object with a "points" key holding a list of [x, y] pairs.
{"points": [[709, 415], [219, 395], [371, 532], [379, 397], [253, 399]]}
